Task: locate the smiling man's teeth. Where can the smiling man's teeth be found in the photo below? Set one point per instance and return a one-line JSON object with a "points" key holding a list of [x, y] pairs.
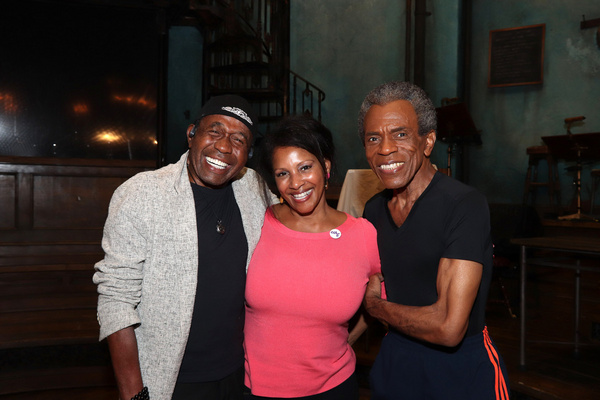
{"points": [[302, 195], [216, 163], [391, 166]]}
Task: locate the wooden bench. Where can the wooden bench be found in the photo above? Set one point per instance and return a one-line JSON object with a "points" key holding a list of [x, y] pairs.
{"points": [[45, 306], [53, 212], [47, 303]]}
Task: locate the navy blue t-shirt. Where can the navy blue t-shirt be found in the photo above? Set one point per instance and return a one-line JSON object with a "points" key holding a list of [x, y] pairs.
{"points": [[449, 220]]}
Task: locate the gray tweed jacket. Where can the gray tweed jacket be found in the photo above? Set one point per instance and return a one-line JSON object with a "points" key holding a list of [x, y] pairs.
{"points": [[148, 276]]}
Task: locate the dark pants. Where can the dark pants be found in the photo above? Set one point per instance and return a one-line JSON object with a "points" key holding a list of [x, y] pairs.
{"points": [[347, 390], [410, 370], [229, 388]]}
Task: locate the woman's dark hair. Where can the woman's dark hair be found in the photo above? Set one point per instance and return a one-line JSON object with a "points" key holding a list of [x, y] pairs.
{"points": [[301, 131]]}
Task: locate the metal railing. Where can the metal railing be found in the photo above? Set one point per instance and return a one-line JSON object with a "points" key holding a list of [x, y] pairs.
{"points": [[261, 19], [306, 97]]}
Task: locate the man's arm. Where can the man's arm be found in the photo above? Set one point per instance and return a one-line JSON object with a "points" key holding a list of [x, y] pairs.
{"points": [[445, 322], [124, 354]]}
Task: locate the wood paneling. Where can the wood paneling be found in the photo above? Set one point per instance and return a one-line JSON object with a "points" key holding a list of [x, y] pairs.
{"points": [[55, 199], [52, 213], [71, 202], [8, 187]]}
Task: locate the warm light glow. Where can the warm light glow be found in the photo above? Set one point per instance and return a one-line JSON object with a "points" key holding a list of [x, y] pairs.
{"points": [[80, 108], [8, 103], [135, 100], [108, 136]]}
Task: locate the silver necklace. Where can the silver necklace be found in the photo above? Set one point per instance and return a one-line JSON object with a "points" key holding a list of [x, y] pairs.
{"points": [[220, 226]]}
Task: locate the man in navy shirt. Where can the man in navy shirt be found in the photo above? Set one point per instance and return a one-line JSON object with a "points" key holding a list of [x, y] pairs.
{"points": [[436, 255]]}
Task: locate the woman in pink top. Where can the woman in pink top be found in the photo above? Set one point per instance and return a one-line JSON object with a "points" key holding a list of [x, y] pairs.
{"points": [[307, 276]]}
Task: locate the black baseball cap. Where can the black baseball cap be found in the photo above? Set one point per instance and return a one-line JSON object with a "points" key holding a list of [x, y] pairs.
{"points": [[232, 106]]}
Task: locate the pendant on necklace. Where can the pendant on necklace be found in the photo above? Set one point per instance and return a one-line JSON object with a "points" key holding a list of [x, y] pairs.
{"points": [[220, 227]]}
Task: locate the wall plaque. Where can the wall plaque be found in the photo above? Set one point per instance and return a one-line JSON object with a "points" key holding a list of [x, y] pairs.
{"points": [[516, 56]]}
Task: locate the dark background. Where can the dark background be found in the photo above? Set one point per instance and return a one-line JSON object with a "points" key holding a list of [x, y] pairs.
{"points": [[79, 81]]}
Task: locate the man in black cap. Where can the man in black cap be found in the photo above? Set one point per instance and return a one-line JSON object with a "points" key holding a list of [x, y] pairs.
{"points": [[177, 242]]}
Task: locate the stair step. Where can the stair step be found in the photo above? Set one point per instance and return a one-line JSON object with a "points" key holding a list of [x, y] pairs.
{"points": [[251, 95], [210, 15], [229, 41], [244, 67], [540, 183]]}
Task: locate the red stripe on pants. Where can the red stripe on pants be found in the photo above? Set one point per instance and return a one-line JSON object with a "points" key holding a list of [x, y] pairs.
{"points": [[499, 382]]}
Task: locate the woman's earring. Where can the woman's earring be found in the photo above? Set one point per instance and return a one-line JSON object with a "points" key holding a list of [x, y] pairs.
{"points": [[280, 200]]}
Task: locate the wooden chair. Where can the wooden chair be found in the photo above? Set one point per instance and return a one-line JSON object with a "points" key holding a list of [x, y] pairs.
{"points": [[537, 154]]}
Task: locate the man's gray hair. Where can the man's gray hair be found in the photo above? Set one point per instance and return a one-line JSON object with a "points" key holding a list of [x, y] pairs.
{"points": [[396, 90]]}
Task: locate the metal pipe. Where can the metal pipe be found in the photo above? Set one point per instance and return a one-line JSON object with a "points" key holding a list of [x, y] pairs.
{"points": [[407, 41], [577, 305], [420, 14], [522, 306], [464, 52], [161, 119]]}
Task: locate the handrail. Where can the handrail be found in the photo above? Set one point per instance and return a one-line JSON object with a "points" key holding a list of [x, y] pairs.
{"points": [[306, 93]]}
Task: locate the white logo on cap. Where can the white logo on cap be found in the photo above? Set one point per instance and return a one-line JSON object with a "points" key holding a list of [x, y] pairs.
{"points": [[240, 113]]}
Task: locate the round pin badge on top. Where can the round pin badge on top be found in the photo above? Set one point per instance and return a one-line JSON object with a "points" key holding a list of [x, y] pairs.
{"points": [[335, 233]]}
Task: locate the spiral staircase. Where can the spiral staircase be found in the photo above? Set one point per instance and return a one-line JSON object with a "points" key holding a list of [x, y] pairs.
{"points": [[246, 52]]}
